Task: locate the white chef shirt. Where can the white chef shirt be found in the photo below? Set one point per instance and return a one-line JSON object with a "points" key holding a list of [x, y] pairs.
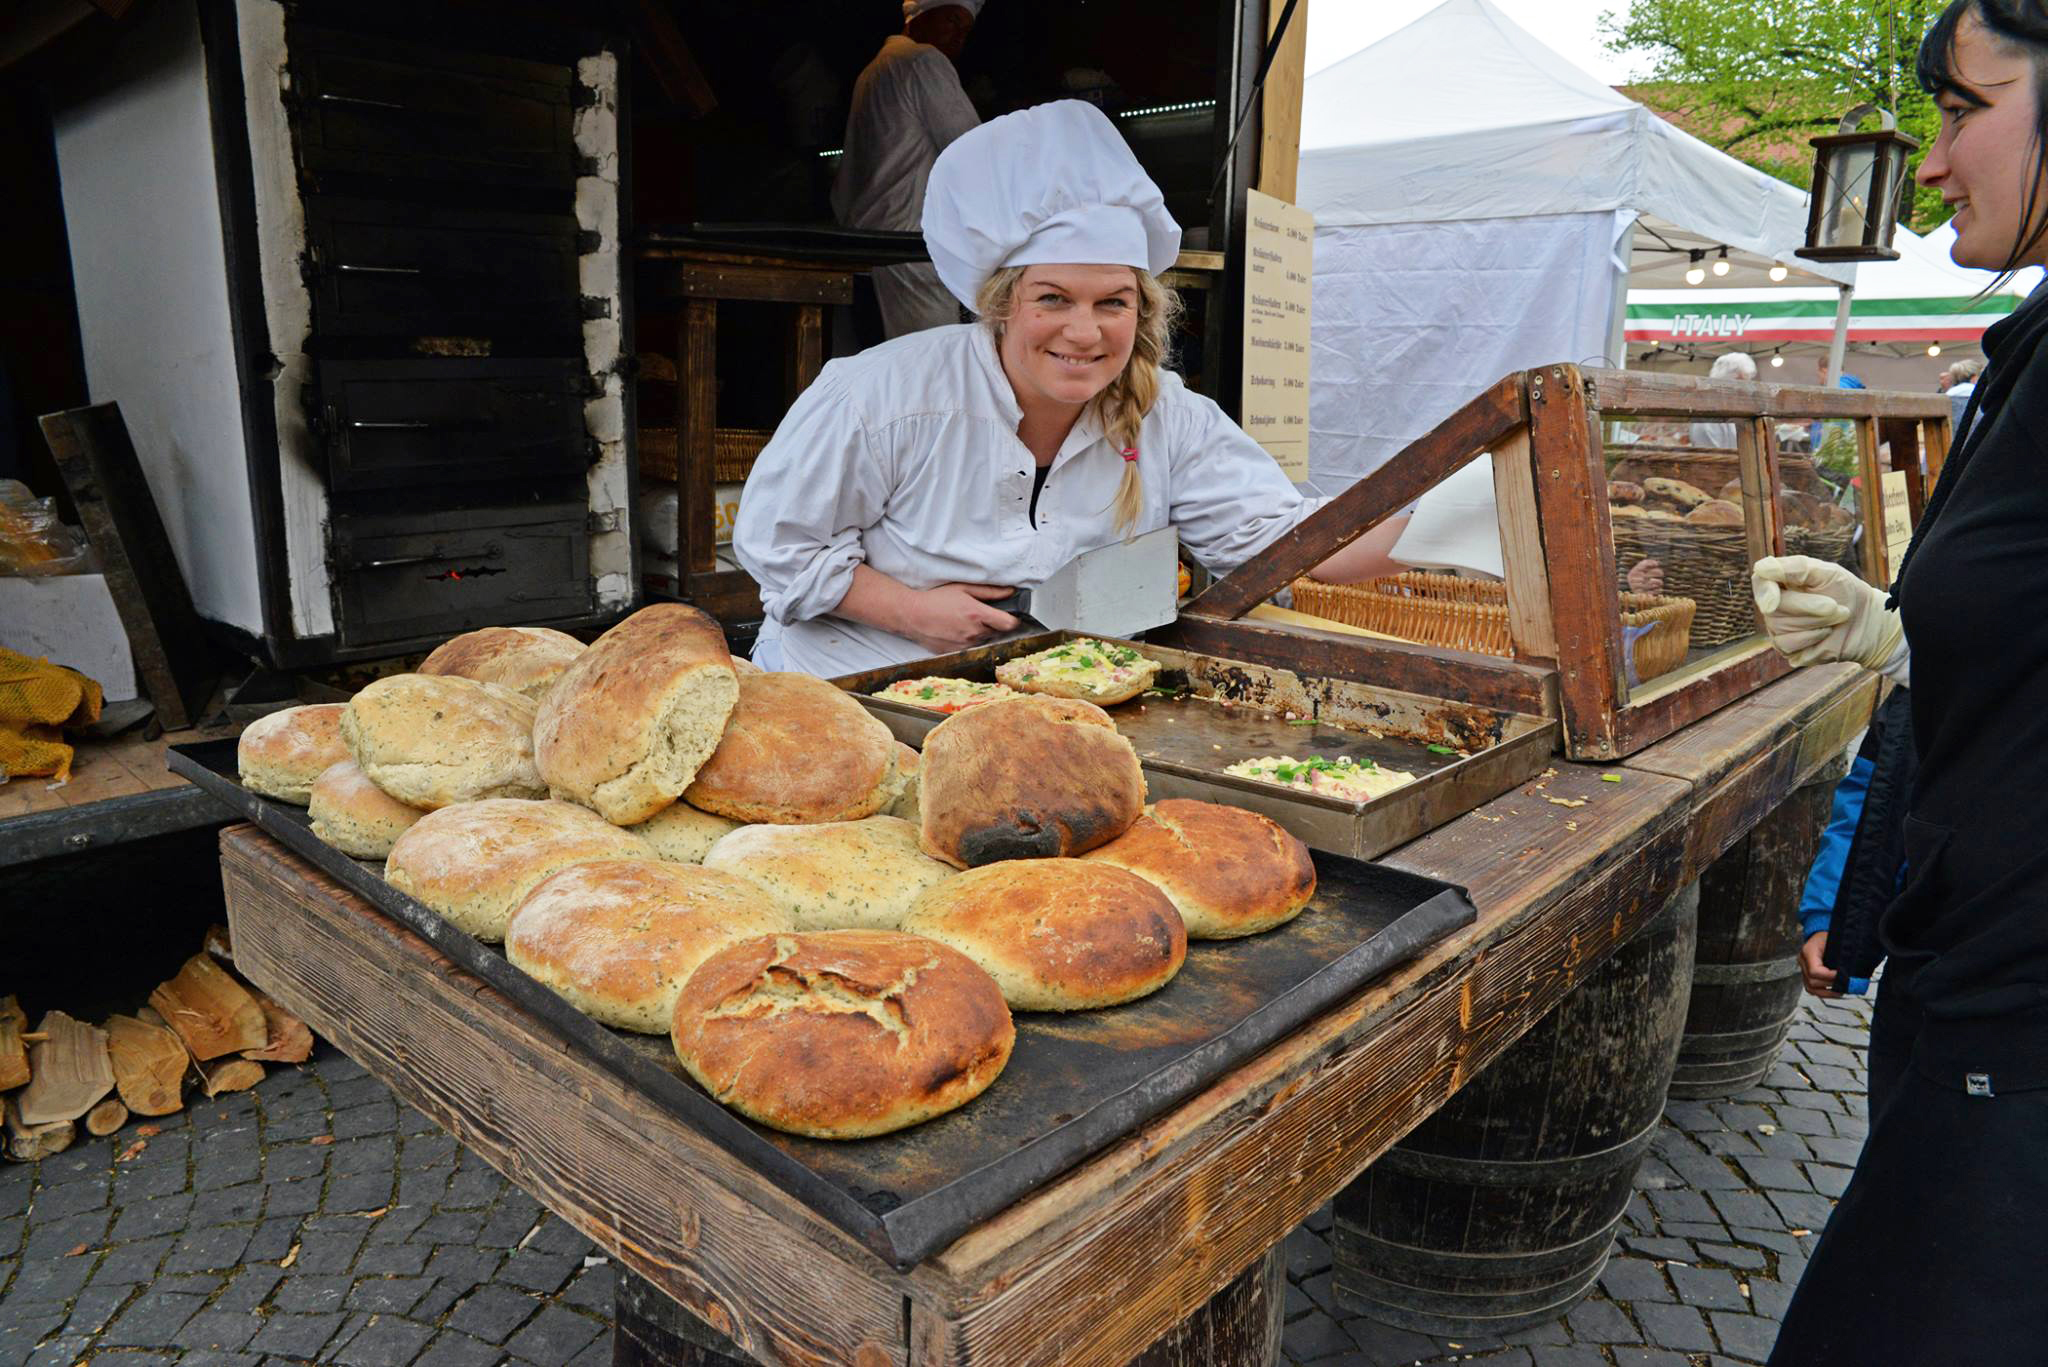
{"points": [[907, 106], [906, 457]]}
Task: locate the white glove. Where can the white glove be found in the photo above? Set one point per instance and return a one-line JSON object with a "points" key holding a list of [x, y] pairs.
{"points": [[1817, 611]]}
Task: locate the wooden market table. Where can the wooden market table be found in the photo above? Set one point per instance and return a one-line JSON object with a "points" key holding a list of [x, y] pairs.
{"points": [[1110, 1256]]}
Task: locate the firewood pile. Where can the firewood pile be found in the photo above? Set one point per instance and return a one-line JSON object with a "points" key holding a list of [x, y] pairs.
{"points": [[204, 1028]]}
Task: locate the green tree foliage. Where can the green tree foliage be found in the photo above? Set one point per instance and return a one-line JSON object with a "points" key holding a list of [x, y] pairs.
{"points": [[1759, 80]]}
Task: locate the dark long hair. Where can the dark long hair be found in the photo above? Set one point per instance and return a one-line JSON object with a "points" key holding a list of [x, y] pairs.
{"points": [[2021, 25]]}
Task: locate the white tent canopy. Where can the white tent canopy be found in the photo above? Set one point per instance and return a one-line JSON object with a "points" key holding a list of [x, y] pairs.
{"points": [[1476, 199]]}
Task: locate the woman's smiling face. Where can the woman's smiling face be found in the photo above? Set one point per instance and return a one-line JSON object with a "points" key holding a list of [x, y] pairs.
{"points": [[1985, 150], [1071, 331]]}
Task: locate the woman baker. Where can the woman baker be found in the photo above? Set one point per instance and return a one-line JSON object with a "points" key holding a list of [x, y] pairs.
{"points": [[1935, 1252], [914, 484]]}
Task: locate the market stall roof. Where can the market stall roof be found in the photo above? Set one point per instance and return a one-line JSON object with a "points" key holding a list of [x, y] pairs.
{"points": [[1465, 115], [1922, 297]]}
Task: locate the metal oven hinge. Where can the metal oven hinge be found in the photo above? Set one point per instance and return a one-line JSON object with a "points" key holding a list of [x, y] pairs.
{"points": [[610, 520]]}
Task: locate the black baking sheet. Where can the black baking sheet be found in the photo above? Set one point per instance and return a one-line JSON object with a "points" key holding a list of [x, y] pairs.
{"points": [[1075, 1083]]}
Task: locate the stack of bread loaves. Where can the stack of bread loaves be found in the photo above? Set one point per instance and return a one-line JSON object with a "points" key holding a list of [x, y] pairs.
{"points": [[676, 842]]}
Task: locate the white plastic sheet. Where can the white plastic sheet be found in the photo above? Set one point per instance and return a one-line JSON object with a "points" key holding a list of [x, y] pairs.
{"points": [[1411, 320]]}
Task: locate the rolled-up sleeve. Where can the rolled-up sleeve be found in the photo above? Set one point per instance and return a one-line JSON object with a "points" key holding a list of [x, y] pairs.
{"points": [[816, 487], [1229, 498]]}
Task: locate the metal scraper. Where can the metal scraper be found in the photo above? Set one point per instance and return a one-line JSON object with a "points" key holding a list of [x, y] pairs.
{"points": [[1117, 590]]}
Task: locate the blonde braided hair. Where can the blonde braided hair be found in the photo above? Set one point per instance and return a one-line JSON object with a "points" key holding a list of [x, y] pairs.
{"points": [[1121, 406]]}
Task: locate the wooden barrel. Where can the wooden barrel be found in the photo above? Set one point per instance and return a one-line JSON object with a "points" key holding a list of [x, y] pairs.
{"points": [[1745, 976], [1498, 1212], [1240, 1326]]}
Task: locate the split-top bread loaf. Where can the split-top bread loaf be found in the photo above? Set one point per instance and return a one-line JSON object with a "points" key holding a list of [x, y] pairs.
{"points": [[1022, 778], [797, 749], [627, 726], [843, 1033], [434, 740], [524, 659], [1228, 872]]}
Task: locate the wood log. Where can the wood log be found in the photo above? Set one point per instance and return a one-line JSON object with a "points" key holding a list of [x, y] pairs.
{"points": [[290, 1041], [105, 1118], [228, 1075], [211, 1012], [149, 1064], [70, 1069], [28, 1143], [13, 1053]]}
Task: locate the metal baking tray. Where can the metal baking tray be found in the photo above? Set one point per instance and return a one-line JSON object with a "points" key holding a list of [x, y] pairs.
{"points": [[1075, 1084], [1207, 713]]}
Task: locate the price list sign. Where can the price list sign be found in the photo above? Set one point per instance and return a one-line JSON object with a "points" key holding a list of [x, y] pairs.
{"points": [[1279, 252]]}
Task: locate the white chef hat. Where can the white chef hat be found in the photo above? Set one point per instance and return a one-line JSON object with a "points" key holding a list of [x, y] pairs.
{"points": [[1052, 184], [913, 8]]}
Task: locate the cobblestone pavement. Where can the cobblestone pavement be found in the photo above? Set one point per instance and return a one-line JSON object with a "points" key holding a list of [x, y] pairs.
{"points": [[316, 1219]]}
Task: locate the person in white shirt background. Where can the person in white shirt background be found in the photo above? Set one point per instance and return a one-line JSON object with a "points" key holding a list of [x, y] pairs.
{"points": [[917, 482], [1720, 436], [907, 108]]}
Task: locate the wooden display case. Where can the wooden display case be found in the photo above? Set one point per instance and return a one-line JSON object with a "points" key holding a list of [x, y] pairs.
{"points": [[1547, 431]]}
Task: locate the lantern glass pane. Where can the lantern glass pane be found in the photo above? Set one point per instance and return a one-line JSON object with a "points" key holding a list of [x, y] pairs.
{"points": [[1845, 217]]}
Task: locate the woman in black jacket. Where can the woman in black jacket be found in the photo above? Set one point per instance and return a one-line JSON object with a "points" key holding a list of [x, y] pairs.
{"points": [[1937, 1252]]}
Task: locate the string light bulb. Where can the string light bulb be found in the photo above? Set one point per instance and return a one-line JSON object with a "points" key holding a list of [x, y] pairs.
{"points": [[1695, 273], [1934, 348], [1778, 273], [1776, 360], [1721, 262]]}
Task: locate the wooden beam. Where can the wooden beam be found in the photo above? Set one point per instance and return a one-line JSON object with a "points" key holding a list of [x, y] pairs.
{"points": [[696, 426], [1280, 103], [1654, 394], [1521, 551], [1570, 474], [1870, 507], [1493, 414], [668, 56], [115, 502]]}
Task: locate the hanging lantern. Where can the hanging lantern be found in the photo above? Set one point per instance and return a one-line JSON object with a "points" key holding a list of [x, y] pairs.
{"points": [[1858, 179]]}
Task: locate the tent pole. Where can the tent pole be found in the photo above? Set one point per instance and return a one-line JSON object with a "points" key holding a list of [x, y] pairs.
{"points": [[1839, 344], [1617, 322]]}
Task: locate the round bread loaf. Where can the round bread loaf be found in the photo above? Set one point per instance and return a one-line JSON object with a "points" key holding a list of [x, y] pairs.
{"points": [[1023, 778], [356, 816], [841, 875], [524, 659], [618, 938], [475, 862], [797, 749], [625, 728], [435, 740], [903, 786], [1057, 934], [1227, 871], [281, 754], [681, 834], [852, 1032]]}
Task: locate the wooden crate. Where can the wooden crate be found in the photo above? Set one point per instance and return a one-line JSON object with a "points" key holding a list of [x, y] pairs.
{"points": [[1544, 429]]}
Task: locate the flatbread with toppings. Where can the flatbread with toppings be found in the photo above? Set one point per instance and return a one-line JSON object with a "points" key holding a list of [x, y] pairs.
{"points": [[1344, 778], [1094, 671], [943, 695]]}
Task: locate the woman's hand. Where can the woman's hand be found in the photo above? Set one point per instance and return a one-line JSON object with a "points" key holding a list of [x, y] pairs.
{"points": [[1647, 576], [1819, 980], [942, 619], [953, 616]]}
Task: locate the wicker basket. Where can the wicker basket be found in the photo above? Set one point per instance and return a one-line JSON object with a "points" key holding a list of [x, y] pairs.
{"points": [[733, 450], [1706, 469], [1472, 614], [1837, 545], [1709, 565]]}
